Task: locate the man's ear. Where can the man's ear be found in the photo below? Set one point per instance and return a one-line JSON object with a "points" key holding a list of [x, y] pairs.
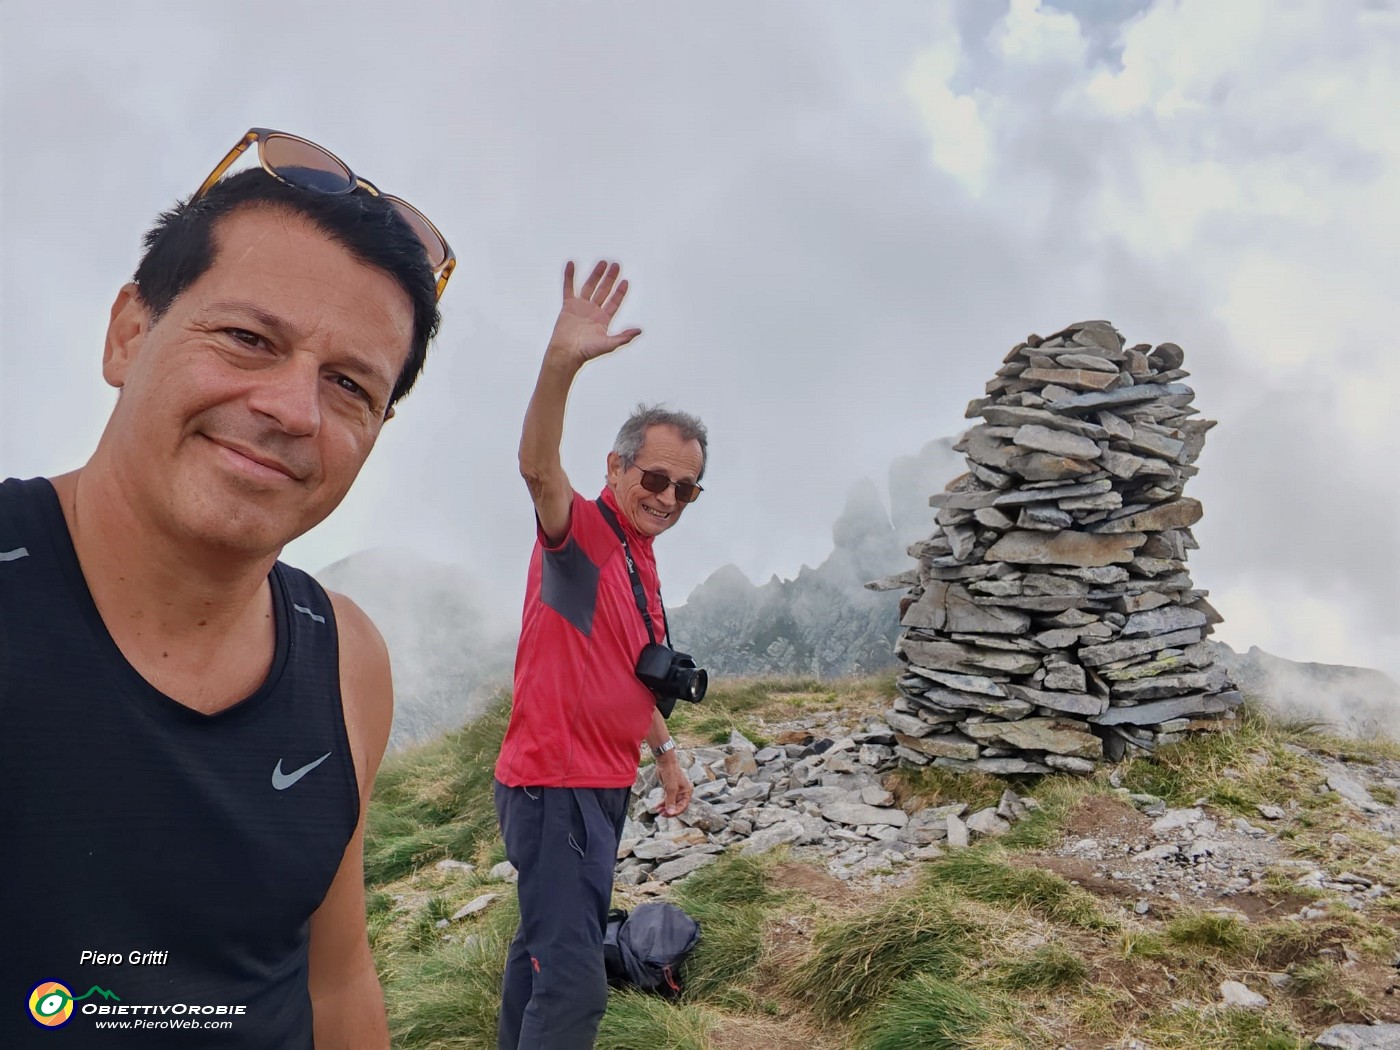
{"points": [[614, 467], [126, 331]]}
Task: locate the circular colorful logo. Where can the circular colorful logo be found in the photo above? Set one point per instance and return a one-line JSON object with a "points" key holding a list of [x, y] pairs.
{"points": [[51, 1004]]}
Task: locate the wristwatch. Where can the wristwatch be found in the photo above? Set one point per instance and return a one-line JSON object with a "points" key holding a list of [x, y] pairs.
{"points": [[657, 752]]}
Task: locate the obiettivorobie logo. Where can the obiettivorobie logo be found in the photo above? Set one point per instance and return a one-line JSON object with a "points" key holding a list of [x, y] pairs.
{"points": [[51, 1002]]}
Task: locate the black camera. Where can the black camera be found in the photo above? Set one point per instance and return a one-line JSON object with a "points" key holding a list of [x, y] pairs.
{"points": [[671, 676]]}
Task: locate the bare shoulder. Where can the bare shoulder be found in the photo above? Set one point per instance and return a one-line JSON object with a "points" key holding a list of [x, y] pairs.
{"points": [[366, 686]]}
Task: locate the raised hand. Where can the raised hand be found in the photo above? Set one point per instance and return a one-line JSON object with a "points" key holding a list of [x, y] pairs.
{"points": [[581, 332]]}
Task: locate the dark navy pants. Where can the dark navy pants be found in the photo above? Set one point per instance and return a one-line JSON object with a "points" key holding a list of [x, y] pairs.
{"points": [[563, 842]]}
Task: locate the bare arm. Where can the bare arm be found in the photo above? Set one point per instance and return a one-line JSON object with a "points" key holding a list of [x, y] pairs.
{"points": [[668, 768], [347, 1002], [580, 334]]}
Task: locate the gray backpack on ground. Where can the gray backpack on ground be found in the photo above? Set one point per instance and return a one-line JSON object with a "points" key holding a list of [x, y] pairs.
{"points": [[645, 949]]}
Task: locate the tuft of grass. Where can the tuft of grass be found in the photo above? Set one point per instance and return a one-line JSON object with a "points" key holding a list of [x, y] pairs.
{"points": [[449, 996], [1057, 795], [1049, 966], [1222, 934], [635, 1021], [928, 1013], [1327, 988], [983, 875], [729, 899], [435, 801], [1218, 1029], [858, 961]]}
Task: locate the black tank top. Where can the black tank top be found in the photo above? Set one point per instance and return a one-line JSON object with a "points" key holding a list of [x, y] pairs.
{"points": [[185, 851]]}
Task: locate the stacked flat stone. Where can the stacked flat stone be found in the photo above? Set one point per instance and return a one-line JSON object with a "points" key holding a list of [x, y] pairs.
{"points": [[1052, 623]]}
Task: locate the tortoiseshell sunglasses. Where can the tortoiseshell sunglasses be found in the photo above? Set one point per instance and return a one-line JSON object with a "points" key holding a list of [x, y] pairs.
{"points": [[301, 163]]}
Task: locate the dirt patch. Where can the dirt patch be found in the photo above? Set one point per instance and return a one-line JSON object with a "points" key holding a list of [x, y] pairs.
{"points": [[739, 1032], [811, 882], [1105, 817], [1080, 872]]}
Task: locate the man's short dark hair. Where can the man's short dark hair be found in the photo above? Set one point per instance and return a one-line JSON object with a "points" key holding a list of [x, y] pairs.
{"points": [[179, 248]]}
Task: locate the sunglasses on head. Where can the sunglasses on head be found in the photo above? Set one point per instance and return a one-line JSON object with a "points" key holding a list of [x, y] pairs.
{"points": [[301, 163], [656, 483]]}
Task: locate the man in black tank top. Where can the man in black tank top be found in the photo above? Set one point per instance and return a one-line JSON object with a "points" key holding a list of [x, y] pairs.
{"points": [[189, 729]]}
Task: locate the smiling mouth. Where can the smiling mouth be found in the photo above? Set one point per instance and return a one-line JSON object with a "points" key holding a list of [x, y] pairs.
{"points": [[253, 466], [655, 513]]}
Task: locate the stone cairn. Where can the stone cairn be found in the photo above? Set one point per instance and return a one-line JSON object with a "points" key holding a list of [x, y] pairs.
{"points": [[1051, 622]]}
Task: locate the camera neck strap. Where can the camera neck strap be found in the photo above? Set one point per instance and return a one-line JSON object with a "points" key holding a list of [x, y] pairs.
{"points": [[638, 592]]}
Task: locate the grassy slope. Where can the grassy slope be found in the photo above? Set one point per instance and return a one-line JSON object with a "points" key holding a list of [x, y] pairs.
{"points": [[979, 952]]}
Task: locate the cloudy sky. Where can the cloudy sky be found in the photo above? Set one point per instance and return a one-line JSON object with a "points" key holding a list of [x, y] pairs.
{"points": [[837, 218]]}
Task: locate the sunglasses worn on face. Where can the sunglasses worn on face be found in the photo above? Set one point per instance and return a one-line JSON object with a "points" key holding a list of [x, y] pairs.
{"points": [[301, 163], [656, 483]]}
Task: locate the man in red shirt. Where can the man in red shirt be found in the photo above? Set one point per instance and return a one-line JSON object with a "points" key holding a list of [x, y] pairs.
{"points": [[580, 713]]}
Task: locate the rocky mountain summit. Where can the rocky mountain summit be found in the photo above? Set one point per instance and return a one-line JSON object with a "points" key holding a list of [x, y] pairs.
{"points": [[1051, 622], [821, 623]]}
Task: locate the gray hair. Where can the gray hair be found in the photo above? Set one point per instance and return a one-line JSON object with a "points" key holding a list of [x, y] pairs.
{"points": [[629, 439]]}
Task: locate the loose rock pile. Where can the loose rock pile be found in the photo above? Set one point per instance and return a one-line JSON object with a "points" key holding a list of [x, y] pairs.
{"points": [[1051, 621], [824, 796]]}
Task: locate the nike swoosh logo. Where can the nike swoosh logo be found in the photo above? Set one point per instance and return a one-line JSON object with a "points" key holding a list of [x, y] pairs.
{"points": [[282, 781]]}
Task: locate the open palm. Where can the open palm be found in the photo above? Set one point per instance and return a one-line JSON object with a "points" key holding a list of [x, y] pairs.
{"points": [[582, 328]]}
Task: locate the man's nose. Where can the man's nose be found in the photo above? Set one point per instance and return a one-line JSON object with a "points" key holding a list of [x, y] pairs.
{"points": [[291, 395]]}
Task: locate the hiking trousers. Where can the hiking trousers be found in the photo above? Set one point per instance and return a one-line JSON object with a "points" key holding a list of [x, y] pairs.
{"points": [[563, 843]]}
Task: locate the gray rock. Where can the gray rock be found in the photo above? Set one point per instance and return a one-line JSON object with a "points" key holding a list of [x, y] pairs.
{"points": [[952, 657], [1030, 494], [998, 766], [1073, 703], [1065, 548], [1175, 515], [1061, 736], [943, 745], [1012, 416], [1128, 395], [1110, 652], [1353, 791], [455, 865], [1065, 678], [771, 837], [986, 822], [475, 905], [1057, 442], [502, 872], [1162, 621], [1070, 764], [958, 837], [1097, 364], [1176, 819], [856, 813], [876, 755], [1360, 1037], [907, 725], [702, 815], [683, 866], [1047, 517], [1170, 685], [739, 740], [875, 795], [1269, 812], [1157, 711], [657, 849], [1238, 996], [912, 757]]}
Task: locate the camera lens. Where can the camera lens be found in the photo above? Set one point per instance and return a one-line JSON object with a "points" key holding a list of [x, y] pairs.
{"points": [[695, 688]]}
